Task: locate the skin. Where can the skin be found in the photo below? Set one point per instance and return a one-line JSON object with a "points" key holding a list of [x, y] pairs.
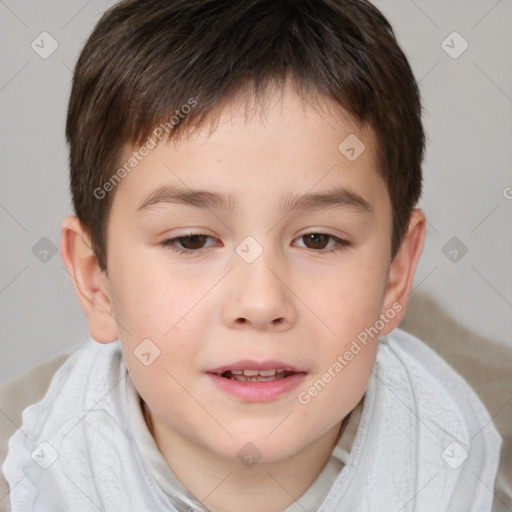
{"points": [[296, 303]]}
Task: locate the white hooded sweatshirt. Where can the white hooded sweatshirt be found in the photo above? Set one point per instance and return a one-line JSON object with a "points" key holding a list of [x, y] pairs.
{"points": [[425, 442]]}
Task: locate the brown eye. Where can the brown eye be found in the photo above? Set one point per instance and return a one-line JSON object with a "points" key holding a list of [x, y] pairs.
{"points": [[323, 243], [193, 241], [188, 244], [316, 240]]}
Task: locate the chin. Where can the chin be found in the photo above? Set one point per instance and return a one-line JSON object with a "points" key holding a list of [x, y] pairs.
{"points": [[252, 447]]}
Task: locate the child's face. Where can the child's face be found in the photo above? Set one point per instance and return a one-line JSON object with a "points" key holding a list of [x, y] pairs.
{"points": [[297, 304]]}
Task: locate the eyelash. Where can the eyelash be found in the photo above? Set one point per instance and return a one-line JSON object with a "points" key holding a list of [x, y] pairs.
{"points": [[171, 243]]}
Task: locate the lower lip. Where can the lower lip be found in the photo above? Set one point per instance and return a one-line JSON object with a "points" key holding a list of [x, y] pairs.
{"points": [[264, 391]]}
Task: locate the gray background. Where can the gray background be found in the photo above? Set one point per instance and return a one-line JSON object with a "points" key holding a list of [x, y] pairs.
{"points": [[468, 175]]}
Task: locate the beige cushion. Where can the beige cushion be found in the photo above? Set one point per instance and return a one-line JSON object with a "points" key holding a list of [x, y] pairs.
{"points": [[485, 364]]}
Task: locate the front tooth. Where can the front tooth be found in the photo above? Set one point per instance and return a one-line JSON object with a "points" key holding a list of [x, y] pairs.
{"points": [[251, 373], [267, 373]]}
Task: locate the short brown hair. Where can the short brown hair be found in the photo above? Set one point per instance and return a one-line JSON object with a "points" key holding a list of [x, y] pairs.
{"points": [[147, 58]]}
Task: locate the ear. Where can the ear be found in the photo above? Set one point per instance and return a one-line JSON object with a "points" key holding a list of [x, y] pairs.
{"points": [[89, 281], [402, 269]]}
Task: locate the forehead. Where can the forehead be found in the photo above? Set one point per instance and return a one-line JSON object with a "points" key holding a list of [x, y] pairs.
{"points": [[280, 144]]}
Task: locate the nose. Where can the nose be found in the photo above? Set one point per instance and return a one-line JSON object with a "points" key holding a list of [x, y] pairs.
{"points": [[259, 297]]}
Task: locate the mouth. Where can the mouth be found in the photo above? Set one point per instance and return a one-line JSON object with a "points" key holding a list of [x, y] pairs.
{"points": [[252, 381], [256, 375]]}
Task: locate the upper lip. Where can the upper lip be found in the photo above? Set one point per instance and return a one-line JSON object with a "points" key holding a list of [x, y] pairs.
{"points": [[255, 365]]}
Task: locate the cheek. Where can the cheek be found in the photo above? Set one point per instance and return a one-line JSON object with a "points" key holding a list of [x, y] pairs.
{"points": [[148, 300], [351, 299], [157, 335], [350, 306], [340, 380]]}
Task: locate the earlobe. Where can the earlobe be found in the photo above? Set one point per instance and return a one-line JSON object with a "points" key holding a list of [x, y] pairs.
{"points": [[402, 269], [89, 281]]}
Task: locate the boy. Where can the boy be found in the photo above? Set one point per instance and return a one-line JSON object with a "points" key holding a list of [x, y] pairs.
{"points": [[244, 177]]}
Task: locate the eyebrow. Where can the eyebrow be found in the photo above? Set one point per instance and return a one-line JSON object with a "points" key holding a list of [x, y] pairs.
{"points": [[336, 198]]}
